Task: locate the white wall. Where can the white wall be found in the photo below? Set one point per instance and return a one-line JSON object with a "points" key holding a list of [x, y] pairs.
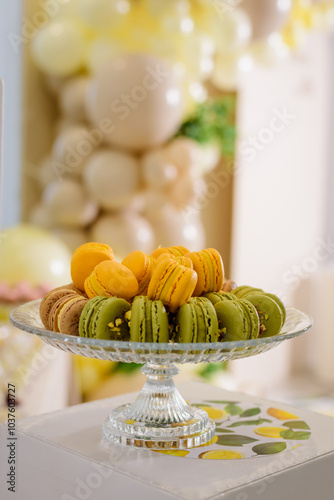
{"points": [[11, 71], [280, 209]]}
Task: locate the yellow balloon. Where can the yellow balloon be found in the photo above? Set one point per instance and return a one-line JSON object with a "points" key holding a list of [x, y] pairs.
{"points": [[104, 15], [59, 48]]}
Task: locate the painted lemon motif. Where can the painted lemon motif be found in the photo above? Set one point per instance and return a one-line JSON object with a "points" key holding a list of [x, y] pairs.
{"points": [[281, 414], [270, 432], [131, 422], [296, 446], [214, 413], [175, 453], [221, 455], [213, 441]]}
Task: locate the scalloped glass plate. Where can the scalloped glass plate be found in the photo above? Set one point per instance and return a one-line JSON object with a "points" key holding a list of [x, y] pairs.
{"points": [[26, 317], [159, 418]]}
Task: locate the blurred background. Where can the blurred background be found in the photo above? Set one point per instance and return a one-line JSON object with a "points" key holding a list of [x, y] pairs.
{"points": [[141, 123]]}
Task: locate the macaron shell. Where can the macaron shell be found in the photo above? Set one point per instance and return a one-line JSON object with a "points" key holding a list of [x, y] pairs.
{"points": [[141, 265], [217, 269], [179, 288], [115, 279], [270, 314], [253, 318], [201, 323], [199, 266], [69, 315], [159, 322], [50, 299], [231, 321], [186, 324], [138, 319], [210, 318], [53, 317], [215, 297], [87, 314], [243, 290], [178, 251], [108, 321], [279, 303], [84, 260]]}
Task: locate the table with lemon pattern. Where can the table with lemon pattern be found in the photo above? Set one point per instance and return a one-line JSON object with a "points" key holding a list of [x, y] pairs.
{"points": [[247, 430]]}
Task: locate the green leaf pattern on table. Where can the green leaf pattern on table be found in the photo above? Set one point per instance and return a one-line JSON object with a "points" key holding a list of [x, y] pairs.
{"points": [[235, 432]]}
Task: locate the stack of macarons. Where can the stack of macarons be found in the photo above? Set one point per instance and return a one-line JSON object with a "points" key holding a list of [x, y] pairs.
{"points": [[172, 295]]}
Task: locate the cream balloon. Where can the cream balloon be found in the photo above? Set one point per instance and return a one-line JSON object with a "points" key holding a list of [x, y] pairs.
{"points": [[73, 238], [111, 178], [185, 154], [139, 98], [104, 15], [158, 170], [186, 190], [68, 204], [72, 148], [72, 98], [174, 227], [124, 232], [59, 48], [271, 51], [231, 31], [33, 255], [230, 69], [39, 216], [266, 16]]}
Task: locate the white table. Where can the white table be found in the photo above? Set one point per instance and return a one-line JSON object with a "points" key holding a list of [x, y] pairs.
{"points": [[59, 457]]}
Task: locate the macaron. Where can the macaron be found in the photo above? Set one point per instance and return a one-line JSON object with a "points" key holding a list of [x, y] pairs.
{"points": [[233, 322], [177, 251], [141, 265], [148, 321], [215, 297], [84, 260], [270, 314], [111, 279], [243, 290], [69, 315], [207, 322], [186, 324], [279, 303], [208, 265], [104, 318], [51, 298], [253, 317], [172, 283]]}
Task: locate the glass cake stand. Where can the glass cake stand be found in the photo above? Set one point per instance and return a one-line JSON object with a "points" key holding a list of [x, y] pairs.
{"points": [[159, 418]]}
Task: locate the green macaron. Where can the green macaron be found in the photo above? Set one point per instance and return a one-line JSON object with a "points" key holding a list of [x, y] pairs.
{"points": [[270, 314], [148, 321], [104, 318], [207, 322], [253, 317], [243, 290], [233, 321], [215, 297], [186, 323], [278, 302]]}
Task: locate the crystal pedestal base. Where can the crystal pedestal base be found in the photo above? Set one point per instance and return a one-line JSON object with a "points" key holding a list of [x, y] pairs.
{"points": [[159, 418]]}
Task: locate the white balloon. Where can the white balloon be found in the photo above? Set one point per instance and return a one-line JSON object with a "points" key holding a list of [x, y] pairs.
{"points": [[72, 148], [186, 154], [266, 16], [232, 31], [72, 98], [124, 232], [112, 178], [59, 48], [138, 99], [173, 227], [230, 69], [68, 204], [158, 170], [186, 190], [73, 238]]}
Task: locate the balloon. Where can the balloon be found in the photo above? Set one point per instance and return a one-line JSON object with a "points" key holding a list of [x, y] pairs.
{"points": [[33, 255], [72, 147], [185, 154], [136, 100], [231, 30], [73, 238], [185, 191], [68, 204], [266, 16], [158, 171], [124, 232], [111, 178], [101, 51], [230, 69], [72, 98], [59, 48], [173, 227]]}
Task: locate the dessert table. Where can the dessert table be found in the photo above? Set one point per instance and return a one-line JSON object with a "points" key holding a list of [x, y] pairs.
{"points": [[264, 450]]}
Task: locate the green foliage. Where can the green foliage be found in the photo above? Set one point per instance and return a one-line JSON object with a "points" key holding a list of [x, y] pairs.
{"points": [[234, 440], [207, 370], [214, 121], [269, 448]]}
